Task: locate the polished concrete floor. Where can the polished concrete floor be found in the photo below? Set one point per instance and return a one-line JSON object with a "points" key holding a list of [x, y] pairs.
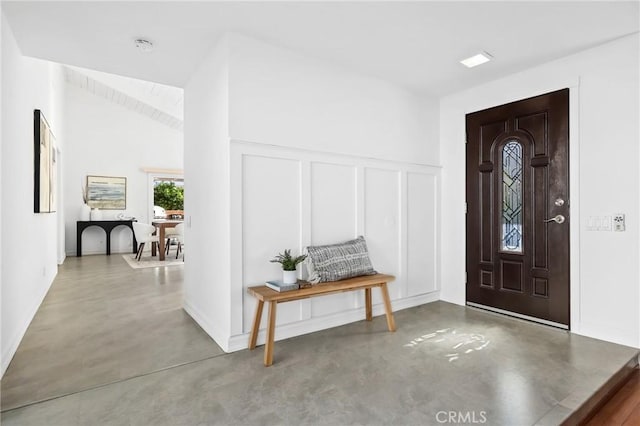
{"points": [[102, 322], [444, 364]]}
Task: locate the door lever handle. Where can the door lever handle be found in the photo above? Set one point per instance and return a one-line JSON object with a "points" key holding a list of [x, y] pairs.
{"points": [[557, 219]]}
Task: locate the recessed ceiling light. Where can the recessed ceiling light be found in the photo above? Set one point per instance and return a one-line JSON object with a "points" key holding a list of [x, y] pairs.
{"points": [[476, 60], [144, 45]]}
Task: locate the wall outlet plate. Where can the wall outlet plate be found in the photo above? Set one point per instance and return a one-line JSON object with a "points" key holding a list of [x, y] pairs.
{"points": [[618, 222]]}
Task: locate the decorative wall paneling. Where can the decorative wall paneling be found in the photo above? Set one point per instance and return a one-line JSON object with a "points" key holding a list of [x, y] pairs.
{"points": [[291, 198]]}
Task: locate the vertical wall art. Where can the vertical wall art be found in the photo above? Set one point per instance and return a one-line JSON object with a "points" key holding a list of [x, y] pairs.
{"points": [[43, 165]]}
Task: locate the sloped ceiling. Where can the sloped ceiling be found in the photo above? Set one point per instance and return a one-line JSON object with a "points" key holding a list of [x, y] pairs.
{"points": [[161, 103], [413, 44]]}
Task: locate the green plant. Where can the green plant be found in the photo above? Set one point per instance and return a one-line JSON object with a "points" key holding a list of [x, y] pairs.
{"points": [[169, 196], [287, 261]]}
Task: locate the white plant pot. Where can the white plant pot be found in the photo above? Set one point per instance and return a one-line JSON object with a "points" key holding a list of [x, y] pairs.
{"points": [[85, 213], [289, 277]]}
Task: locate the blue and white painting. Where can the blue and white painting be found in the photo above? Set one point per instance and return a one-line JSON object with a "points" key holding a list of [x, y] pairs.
{"points": [[107, 193]]}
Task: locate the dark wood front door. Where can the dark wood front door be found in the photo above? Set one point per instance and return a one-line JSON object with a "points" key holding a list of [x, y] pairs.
{"points": [[518, 207]]}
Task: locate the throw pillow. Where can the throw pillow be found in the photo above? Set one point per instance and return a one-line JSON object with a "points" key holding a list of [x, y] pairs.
{"points": [[336, 262]]}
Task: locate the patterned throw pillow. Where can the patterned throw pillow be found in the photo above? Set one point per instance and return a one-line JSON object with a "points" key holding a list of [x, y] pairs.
{"points": [[335, 262]]}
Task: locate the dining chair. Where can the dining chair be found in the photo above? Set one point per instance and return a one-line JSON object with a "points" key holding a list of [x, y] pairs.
{"points": [[144, 234], [170, 234], [179, 229]]}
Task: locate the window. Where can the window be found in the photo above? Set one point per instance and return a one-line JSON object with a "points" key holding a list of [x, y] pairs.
{"points": [[168, 197], [512, 176]]}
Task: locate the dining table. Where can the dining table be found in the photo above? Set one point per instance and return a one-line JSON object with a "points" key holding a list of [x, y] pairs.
{"points": [[161, 226]]}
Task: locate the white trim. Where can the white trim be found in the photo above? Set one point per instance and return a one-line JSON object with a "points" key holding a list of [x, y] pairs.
{"points": [[574, 209], [163, 171], [103, 251], [285, 331], [573, 84], [255, 147], [207, 325], [236, 249], [517, 315]]}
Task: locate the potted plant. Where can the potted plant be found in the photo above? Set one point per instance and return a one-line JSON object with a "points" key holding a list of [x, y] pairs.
{"points": [[289, 264]]}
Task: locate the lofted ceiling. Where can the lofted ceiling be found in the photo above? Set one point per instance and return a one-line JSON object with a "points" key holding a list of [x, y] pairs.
{"points": [[416, 45], [161, 103]]}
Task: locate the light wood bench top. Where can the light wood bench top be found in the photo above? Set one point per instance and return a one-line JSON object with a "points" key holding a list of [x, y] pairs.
{"points": [[264, 294]]}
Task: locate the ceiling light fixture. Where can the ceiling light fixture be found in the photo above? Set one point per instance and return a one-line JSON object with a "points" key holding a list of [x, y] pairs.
{"points": [[145, 46], [476, 60]]}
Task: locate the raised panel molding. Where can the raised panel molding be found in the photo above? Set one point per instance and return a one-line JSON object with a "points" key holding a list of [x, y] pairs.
{"points": [[422, 235], [291, 198], [382, 216], [333, 219], [333, 202], [271, 221]]}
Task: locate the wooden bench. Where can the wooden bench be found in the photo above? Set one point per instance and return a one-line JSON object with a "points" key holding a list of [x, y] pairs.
{"points": [[265, 294]]}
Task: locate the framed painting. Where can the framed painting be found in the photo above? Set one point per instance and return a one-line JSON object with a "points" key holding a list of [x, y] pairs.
{"points": [[43, 165], [107, 192], [53, 173]]}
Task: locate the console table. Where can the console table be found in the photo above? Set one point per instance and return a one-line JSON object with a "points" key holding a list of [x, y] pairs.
{"points": [[107, 226], [265, 294]]}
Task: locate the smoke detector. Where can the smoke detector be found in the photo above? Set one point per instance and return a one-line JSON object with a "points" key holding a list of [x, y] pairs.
{"points": [[144, 45]]}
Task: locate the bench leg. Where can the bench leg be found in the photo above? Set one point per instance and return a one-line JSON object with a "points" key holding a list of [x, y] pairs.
{"points": [[256, 324], [367, 302], [391, 324], [271, 330]]}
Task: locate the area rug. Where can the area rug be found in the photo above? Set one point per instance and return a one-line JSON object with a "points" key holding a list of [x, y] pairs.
{"points": [[148, 261]]}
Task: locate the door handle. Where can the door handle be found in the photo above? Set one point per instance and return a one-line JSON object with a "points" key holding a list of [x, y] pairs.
{"points": [[557, 219]]}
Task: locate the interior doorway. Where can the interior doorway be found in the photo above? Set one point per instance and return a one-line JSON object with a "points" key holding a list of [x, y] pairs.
{"points": [[518, 215]]}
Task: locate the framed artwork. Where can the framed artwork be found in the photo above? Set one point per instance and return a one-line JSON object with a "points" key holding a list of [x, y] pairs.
{"points": [[43, 165], [107, 192], [53, 173]]}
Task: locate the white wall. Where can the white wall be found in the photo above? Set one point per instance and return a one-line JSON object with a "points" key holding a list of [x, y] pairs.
{"points": [[281, 98], [30, 266], [2, 354], [107, 139], [604, 134], [317, 155], [206, 162]]}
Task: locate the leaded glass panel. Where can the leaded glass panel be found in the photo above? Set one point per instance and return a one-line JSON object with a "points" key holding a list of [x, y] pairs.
{"points": [[512, 175]]}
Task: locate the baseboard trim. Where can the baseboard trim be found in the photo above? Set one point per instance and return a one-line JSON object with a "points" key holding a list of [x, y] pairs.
{"points": [[286, 331], [102, 252], [207, 325]]}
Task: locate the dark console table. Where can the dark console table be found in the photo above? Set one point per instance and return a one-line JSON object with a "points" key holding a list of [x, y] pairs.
{"points": [[107, 226]]}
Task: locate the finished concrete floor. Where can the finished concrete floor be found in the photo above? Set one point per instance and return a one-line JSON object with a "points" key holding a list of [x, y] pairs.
{"points": [[102, 322], [444, 359]]}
